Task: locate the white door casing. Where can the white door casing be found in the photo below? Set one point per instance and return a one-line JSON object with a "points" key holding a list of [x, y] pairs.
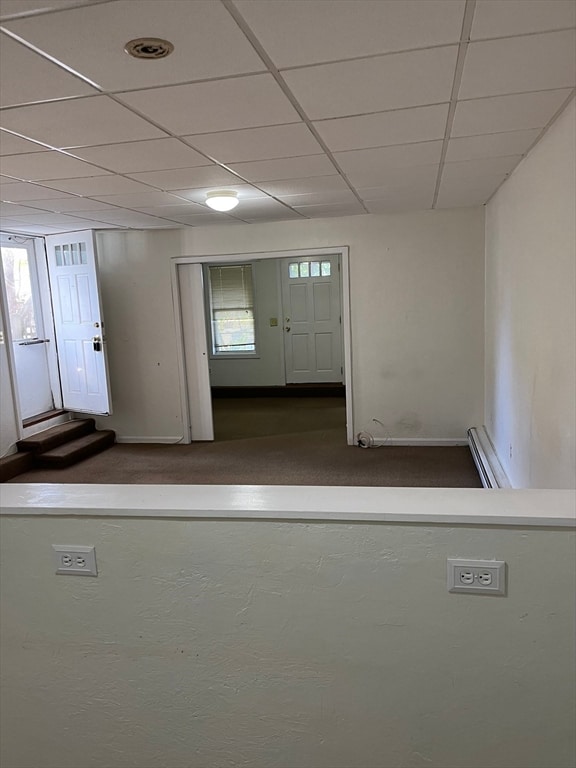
{"points": [[80, 333], [191, 337], [312, 319]]}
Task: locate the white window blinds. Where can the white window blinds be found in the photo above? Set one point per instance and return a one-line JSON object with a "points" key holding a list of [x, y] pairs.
{"points": [[232, 308]]}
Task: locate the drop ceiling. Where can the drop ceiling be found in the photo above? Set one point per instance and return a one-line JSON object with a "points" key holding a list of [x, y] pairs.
{"points": [[307, 108]]}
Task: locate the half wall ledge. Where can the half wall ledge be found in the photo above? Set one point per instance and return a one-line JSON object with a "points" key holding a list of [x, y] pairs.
{"points": [[423, 506]]}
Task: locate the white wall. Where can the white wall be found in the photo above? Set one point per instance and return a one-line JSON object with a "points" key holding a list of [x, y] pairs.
{"points": [[530, 314], [285, 645], [416, 297], [267, 369]]}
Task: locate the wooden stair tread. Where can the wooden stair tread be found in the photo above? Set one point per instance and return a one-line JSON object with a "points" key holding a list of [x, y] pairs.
{"points": [[55, 436], [78, 449]]}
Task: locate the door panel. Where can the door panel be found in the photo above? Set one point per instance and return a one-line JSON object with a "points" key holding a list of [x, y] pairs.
{"points": [[312, 326], [78, 321]]}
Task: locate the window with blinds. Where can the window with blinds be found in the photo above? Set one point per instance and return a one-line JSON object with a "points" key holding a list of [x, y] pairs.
{"points": [[232, 309]]}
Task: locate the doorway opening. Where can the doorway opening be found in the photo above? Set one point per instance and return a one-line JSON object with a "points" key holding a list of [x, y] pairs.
{"points": [[29, 328], [264, 326]]}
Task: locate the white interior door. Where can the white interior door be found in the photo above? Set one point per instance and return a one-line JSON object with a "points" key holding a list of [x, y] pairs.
{"points": [[78, 322], [197, 404], [312, 319]]}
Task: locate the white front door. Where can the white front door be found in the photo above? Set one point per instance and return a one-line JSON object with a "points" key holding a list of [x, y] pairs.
{"points": [[312, 321], [28, 336], [78, 322]]}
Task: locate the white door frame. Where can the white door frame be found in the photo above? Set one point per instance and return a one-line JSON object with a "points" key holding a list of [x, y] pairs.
{"points": [[44, 305], [192, 347]]}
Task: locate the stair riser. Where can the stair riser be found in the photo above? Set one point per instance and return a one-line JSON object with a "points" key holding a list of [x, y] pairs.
{"points": [[105, 440], [52, 438]]}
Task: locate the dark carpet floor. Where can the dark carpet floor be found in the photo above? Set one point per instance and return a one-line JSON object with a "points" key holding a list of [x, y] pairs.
{"points": [[317, 458]]}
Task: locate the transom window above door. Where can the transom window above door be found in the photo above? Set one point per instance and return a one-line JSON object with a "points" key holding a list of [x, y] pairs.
{"points": [[309, 269]]}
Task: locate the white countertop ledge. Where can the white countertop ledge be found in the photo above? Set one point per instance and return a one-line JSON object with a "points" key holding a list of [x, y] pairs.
{"points": [[426, 506]]}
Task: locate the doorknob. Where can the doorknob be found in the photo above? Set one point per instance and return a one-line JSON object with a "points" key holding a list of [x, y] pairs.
{"points": [[97, 343], [287, 328]]}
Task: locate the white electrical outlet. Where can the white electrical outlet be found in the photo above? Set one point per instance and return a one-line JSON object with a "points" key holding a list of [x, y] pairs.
{"points": [[75, 560], [486, 577]]}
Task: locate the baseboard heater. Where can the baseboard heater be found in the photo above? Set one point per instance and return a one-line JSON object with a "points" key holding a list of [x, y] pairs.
{"points": [[489, 468]]}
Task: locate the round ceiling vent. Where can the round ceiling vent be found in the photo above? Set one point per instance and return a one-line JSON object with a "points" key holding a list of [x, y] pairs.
{"points": [[149, 48]]}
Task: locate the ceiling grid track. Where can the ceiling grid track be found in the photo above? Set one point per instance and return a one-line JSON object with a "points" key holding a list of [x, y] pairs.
{"points": [[462, 50], [239, 19]]}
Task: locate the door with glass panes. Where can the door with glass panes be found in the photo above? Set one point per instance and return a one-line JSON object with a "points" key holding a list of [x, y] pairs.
{"points": [[312, 320], [28, 336]]}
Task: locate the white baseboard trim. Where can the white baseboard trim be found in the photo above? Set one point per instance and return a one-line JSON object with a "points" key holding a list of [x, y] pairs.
{"points": [[486, 460], [423, 441], [162, 439]]}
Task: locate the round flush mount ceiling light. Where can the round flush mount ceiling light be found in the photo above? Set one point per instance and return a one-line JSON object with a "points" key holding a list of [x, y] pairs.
{"points": [[222, 199], [149, 48]]}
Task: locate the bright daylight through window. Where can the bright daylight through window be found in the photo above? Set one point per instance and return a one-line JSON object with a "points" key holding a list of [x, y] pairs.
{"points": [[232, 309], [19, 293]]}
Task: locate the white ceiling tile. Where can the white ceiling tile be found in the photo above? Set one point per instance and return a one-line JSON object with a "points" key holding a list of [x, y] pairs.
{"points": [[198, 195], [494, 18], [7, 180], [50, 219], [383, 129], [129, 219], [14, 145], [207, 220], [17, 225], [375, 85], [459, 192], [147, 197], [296, 32], [371, 167], [319, 198], [25, 190], [285, 168], [405, 200], [278, 214], [98, 185], [173, 211], [207, 42], [13, 8], [413, 188], [68, 204], [78, 123], [486, 166], [150, 155], [517, 64], [184, 178], [13, 209], [471, 182], [330, 209], [507, 113], [47, 165], [38, 79], [491, 145], [257, 143], [304, 186], [242, 102]]}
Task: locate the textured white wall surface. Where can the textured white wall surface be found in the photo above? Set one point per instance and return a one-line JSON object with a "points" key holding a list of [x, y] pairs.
{"points": [[416, 293], [531, 314], [220, 644]]}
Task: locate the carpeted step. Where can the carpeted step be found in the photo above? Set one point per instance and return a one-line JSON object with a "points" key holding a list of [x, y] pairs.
{"points": [[69, 453], [15, 464], [55, 436]]}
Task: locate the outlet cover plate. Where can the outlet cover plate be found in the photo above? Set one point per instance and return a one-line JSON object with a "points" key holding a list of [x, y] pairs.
{"points": [[75, 560], [485, 577]]}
